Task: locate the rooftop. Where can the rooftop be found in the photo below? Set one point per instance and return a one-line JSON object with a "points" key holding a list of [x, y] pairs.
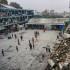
{"points": [[48, 20]]}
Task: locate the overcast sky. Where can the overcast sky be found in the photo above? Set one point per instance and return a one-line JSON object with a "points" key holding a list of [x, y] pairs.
{"points": [[40, 5]]}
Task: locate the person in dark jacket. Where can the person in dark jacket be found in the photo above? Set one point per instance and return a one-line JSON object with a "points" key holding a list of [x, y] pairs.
{"points": [[30, 45], [21, 37], [18, 42], [17, 48], [33, 42], [12, 35], [15, 36], [2, 52], [57, 37]]}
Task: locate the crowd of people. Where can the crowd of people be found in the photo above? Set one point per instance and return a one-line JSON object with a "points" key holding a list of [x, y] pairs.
{"points": [[31, 43], [19, 40]]}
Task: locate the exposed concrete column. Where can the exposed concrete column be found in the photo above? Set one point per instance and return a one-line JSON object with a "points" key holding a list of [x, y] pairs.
{"points": [[26, 15]]}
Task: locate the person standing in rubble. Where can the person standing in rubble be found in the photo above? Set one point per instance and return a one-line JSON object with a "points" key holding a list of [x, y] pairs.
{"points": [[2, 52], [46, 49], [18, 42], [30, 45], [33, 42], [15, 36], [17, 48], [57, 37], [21, 37], [36, 36], [12, 35]]}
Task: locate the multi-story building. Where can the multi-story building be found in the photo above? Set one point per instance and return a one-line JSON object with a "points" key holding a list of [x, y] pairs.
{"points": [[10, 16]]}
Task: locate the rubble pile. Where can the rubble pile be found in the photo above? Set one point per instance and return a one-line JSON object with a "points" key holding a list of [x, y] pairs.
{"points": [[61, 54]]}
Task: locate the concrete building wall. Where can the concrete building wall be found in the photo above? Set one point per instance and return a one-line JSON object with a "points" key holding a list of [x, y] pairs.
{"points": [[41, 23]]}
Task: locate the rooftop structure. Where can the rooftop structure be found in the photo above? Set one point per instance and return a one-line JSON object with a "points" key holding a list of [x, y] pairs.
{"points": [[48, 23]]}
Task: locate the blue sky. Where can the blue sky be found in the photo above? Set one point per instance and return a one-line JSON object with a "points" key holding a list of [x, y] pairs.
{"points": [[40, 5]]}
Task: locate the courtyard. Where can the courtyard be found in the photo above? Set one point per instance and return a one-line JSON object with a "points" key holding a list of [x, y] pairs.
{"points": [[26, 59]]}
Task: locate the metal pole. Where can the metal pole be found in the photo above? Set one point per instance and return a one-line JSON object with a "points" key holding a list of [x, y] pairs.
{"points": [[69, 10]]}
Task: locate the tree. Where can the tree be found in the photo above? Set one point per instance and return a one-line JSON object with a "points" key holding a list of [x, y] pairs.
{"points": [[16, 5], [3, 1]]}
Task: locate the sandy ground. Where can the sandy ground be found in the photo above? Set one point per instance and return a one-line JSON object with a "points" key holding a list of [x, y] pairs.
{"points": [[26, 59]]}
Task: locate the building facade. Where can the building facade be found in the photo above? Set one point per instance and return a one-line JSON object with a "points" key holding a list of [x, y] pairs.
{"points": [[46, 23], [10, 16]]}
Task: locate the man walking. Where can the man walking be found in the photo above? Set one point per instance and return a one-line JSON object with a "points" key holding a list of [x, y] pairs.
{"points": [[33, 42], [17, 48], [21, 37], [2, 52], [18, 42], [15, 36], [30, 45]]}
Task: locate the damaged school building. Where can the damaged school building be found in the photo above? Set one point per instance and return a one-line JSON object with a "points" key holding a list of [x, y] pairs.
{"points": [[10, 17]]}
